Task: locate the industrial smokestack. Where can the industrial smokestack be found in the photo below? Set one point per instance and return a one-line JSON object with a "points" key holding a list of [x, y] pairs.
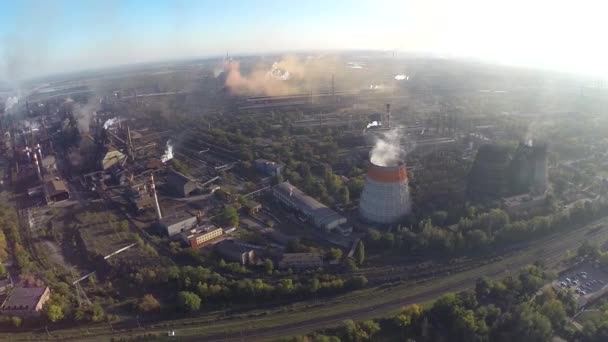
{"points": [[37, 167], [39, 149], [153, 185], [385, 198]]}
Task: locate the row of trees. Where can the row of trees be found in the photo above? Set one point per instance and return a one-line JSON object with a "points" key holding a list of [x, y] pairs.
{"points": [[496, 310], [482, 232], [213, 287]]}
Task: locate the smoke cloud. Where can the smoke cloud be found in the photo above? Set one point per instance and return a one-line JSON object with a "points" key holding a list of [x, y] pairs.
{"points": [[168, 155], [11, 101], [83, 114], [289, 75], [387, 150]]}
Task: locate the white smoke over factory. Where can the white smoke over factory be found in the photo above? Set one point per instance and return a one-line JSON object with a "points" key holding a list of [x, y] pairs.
{"points": [[109, 123], [387, 150], [168, 155], [402, 77]]}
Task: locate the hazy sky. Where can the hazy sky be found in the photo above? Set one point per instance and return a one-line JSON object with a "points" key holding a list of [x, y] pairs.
{"points": [[39, 37]]}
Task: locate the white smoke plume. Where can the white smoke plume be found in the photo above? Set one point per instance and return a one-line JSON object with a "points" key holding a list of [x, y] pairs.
{"points": [[278, 73], [109, 123], [387, 150], [402, 77], [11, 102], [168, 155], [84, 113], [373, 124]]}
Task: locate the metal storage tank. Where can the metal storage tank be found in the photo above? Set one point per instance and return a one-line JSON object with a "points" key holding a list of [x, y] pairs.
{"points": [[385, 198]]}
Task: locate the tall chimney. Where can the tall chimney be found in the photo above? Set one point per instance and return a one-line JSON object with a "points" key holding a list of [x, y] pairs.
{"points": [[37, 167], [158, 213]]}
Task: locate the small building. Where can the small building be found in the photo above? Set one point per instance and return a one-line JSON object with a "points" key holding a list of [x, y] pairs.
{"points": [[25, 301], [56, 191], [314, 211], [180, 184], [253, 207], [178, 222], [267, 167], [202, 236], [301, 260], [232, 252], [139, 196]]}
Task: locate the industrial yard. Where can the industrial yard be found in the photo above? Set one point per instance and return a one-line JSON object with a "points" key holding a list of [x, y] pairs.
{"points": [[190, 192]]}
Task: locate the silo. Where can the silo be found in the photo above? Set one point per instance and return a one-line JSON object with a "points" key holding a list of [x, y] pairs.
{"points": [[385, 198]]}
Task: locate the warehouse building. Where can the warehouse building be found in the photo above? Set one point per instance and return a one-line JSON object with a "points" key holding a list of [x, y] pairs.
{"points": [[232, 252], [178, 222], [25, 301], [314, 211], [301, 260], [180, 184]]}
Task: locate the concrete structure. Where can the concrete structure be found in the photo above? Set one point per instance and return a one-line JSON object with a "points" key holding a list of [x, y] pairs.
{"points": [[139, 195], [529, 168], [385, 198], [232, 252], [25, 301], [301, 260], [178, 222], [202, 236], [314, 211], [180, 184], [56, 191], [267, 167], [111, 158]]}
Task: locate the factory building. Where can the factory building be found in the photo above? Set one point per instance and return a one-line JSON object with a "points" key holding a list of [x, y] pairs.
{"points": [[201, 236], [25, 301], [385, 198], [56, 191], [233, 252], [178, 222], [314, 211], [267, 167], [180, 184], [301, 260]]}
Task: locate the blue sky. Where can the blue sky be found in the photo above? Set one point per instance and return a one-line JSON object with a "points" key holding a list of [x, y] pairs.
{"points": [[38, 37]]}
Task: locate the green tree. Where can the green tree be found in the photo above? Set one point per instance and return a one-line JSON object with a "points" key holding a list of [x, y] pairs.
{"points": [[360, 253], [334, 254], [231, 216], [269, 266], [53, 312], [344, 195], [148, 304], [188, 301]]}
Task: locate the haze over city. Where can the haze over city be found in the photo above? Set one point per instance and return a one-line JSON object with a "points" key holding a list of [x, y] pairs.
{"points": [[314, 171], [41, 37]]}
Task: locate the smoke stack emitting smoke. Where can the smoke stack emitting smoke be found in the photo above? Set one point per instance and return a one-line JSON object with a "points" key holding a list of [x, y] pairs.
{"points": [[387, 150], [109, 123], [168, 153]]}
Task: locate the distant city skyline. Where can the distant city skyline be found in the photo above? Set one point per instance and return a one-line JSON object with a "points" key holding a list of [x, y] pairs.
{"points": [[42, 37]]}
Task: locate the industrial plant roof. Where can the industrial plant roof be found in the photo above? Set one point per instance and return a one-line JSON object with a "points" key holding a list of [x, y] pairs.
{"points": [[23, 298], [176, 218], [55, 187], [307, 203], [180, 177]]}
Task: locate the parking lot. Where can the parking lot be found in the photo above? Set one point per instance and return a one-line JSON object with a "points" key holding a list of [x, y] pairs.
{"points": [[584, 281]]}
